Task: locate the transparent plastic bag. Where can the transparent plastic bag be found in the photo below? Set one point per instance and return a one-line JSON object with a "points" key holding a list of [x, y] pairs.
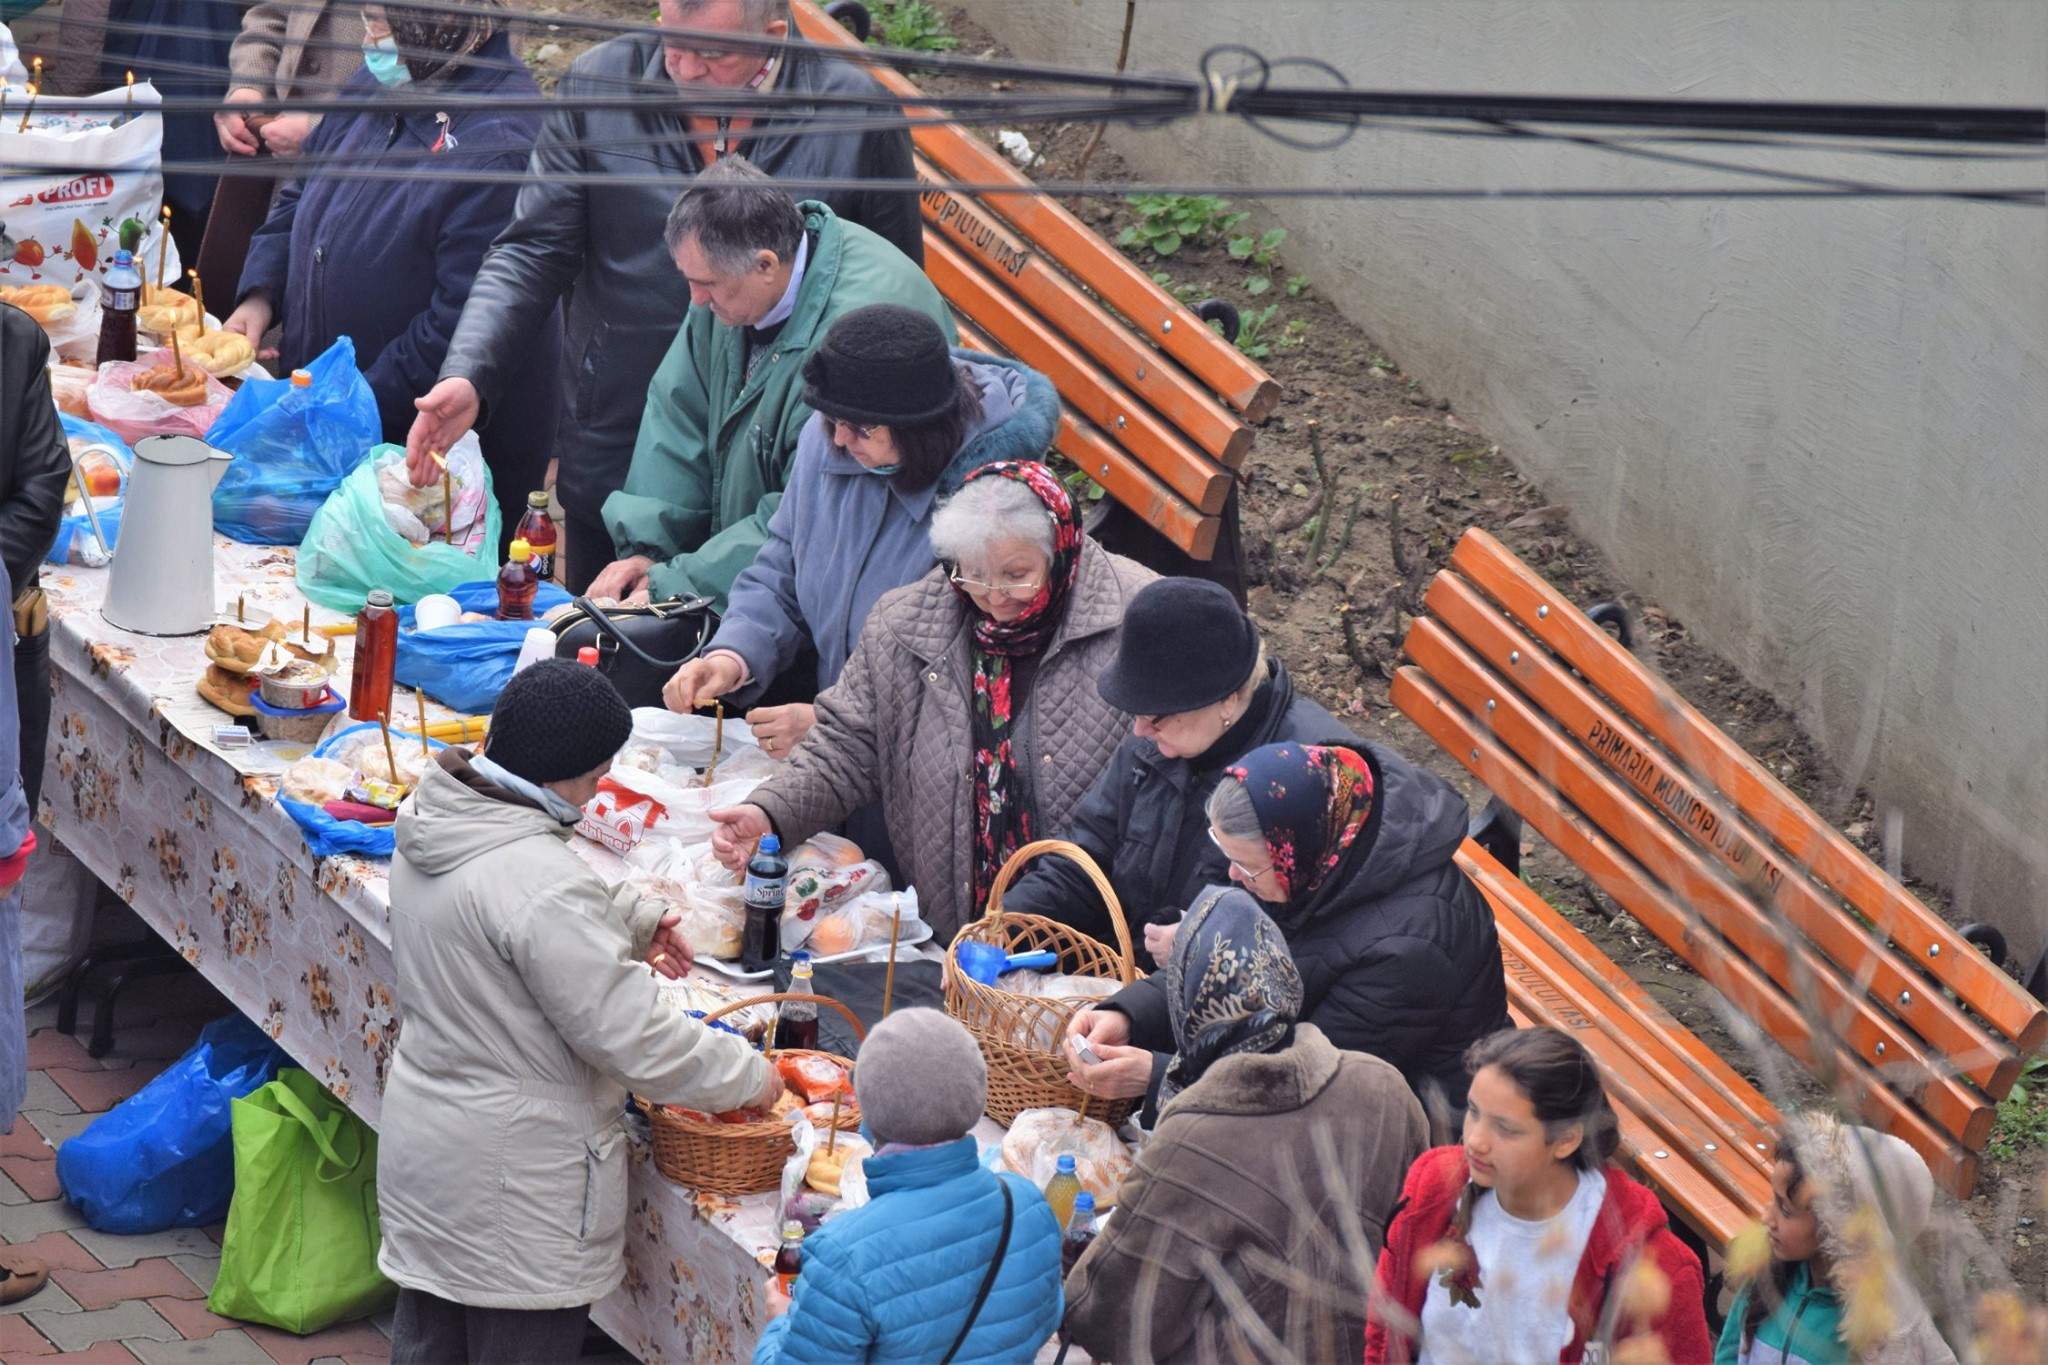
{"points": [[351, 547], [75, 543], [664, 762], [132, 415], [709, 899], [826, 870], [292, 446], [1040, 1137]]}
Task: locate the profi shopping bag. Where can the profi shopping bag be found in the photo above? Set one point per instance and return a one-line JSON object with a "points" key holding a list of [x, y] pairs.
{"points": [[68, 180], [300, 1250]]}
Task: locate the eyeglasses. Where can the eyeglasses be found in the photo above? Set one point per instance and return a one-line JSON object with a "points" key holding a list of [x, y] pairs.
{"points": [[860, 433], [1022, 589], [1247, 873]]}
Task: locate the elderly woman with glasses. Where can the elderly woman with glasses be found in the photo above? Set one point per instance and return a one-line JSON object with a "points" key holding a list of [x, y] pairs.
{"points": [[969, 708], [899, 420], [1349, 849], [1202, 692]]}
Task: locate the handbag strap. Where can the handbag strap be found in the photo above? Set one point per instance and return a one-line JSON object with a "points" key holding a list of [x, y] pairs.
{"points": [[988, 1281], [611, 631], [289, 1101]]}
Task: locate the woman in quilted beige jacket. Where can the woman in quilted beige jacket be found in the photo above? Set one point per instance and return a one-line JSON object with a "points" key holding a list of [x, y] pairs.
{"points": [[969, 707]]}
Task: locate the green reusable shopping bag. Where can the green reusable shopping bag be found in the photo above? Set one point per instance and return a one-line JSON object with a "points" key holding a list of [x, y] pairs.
{"points": [[300, 1251]]}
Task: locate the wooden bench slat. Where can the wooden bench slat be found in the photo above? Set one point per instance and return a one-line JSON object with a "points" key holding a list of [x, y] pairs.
{"points": [[1713, 910], [1155, 314], [1606, 994], [1745, 988], [1714, 828], [1726, 1163], [1118, 471], [1059, 303], [1180, 466], [1668, 718], [1703, 1205]]}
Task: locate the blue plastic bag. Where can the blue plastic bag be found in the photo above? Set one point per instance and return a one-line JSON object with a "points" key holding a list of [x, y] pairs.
{"points": [[327, 836], [467, 666], [292, 447], [164, 1157], [68, 528]]}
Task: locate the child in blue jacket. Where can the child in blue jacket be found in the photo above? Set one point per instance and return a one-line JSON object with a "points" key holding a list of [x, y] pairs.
{"points": [[901, 1278]]}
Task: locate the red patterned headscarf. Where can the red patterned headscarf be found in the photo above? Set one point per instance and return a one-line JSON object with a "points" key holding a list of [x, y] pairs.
{"points": [[1002, 805], [1312, 801]]}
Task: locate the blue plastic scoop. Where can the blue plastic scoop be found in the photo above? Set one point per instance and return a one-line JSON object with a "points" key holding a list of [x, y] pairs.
{"points": [[984, 962]]}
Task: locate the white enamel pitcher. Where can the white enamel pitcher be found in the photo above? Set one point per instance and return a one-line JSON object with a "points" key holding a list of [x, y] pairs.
{"points": [[162, 579]]}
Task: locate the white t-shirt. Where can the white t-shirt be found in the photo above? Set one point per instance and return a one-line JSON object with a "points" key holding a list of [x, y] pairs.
{"points": [[1525, 1285]]}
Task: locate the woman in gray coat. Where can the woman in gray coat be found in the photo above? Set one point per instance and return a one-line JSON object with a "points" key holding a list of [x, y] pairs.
{"points": [[969, 707], [900, 422]]}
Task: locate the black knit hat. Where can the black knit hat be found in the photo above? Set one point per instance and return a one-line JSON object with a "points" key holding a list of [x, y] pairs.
{"points": [[1185, 643], [557, 720], [884, 364]]}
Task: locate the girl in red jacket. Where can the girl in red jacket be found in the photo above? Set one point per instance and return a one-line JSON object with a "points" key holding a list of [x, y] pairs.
{"points": [[1523, 1244]]}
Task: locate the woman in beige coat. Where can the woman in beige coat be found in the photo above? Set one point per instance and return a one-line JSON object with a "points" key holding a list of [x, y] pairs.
{"points": [[969, 707], [1250, 1226], [528, 1014]]}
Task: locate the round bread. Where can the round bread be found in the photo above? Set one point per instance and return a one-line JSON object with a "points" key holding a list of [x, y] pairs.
{"points": [[221, 354], [46, 303], [180, 386]]}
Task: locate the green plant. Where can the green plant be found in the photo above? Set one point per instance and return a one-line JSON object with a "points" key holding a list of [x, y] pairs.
{"points": [[1259, 251], [1080, 487], [1167, 222], [1297, 285], [1252, 337], [910, 24], [2022, 1120]]}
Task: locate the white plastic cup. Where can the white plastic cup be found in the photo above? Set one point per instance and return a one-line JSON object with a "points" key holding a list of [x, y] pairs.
{"points": [[539, 644], [436, 610]]}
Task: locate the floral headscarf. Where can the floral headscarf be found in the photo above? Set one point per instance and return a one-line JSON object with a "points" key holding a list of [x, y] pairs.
{"points": [[435, 40], [1312, 801], [1231, 986], [1002, 816]]}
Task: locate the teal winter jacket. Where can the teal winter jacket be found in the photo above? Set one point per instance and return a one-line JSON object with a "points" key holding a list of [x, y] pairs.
{"points": [[894, 1279], [1803, 1330]]}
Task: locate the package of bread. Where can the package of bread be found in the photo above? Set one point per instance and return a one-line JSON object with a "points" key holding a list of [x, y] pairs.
{"points": [[1040, 1137], [366, 754], [316, 781], [152, 396], [49, 304], [710, 924], [827, 1165], [69, 385]]}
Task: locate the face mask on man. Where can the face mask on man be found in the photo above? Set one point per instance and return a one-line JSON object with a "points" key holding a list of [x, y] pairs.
{"points": [[381, 57]]}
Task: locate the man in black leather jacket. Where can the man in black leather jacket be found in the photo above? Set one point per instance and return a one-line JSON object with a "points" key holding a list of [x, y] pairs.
{"points": [[601, 244], [35, 462]]}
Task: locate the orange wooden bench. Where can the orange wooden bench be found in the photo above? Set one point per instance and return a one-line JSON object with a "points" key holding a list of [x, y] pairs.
{"points": [[1157, 405], [1881, 998]]}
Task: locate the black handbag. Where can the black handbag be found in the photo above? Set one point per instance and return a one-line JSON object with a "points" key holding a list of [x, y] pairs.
{"points": [[638, 648]]}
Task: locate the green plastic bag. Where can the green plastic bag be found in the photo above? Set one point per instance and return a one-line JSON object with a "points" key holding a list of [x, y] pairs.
{"points": [[351, 546], [300, 1250]]}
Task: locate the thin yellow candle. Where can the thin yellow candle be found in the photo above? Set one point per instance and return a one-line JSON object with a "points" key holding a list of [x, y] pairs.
{"points": [[32, 88], [163, 248], [198, 297], [420, 696]]}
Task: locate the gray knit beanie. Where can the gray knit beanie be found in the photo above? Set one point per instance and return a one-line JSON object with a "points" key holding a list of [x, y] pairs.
{"points": [[920, 1079]]}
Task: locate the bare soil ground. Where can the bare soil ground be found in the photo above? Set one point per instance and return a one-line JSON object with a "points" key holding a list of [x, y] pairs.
{"points": [[1422, 474]]}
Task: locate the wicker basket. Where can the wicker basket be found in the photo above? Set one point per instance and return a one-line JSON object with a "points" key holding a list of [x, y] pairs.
{"points": [[1022, 1074], [737, 1158]]}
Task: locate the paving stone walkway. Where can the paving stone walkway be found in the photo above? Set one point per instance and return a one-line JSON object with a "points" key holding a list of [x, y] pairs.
{"points": [[127, 1299]]}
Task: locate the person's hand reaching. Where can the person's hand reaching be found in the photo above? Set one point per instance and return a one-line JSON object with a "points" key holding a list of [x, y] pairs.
{"points": [[781, 728], [447, 412], [251, 319], [737, 831], [667, 953], [701, 680]]}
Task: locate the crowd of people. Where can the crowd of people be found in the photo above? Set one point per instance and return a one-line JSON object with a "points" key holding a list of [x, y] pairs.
{"points": [[745, 395]]}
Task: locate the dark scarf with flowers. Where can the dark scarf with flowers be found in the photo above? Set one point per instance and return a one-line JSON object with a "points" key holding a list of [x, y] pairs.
{"points": [[1002, 817], [1231, 986], [436, 42], [1312, 801]]}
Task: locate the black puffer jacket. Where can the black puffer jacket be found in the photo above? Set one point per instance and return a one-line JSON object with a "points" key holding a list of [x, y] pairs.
{"points": [[1397, 949], [1142, 821], [601, 243]]}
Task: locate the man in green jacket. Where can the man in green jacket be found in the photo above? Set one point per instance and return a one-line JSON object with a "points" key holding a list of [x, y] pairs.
{"points": [[768, 276]]}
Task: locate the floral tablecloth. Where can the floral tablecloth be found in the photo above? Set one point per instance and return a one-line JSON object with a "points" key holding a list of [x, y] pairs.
{"points": [[191, 836]]}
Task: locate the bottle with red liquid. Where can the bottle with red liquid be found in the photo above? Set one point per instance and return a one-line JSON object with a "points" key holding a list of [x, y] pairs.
{"points": [[537, 529], [369, 692], [517, 583], [789, 1257], [118, 303], [797, 1023], [1080, 1232]]}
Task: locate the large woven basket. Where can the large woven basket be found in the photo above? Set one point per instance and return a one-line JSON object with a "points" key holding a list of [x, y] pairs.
{"points": [[1023, 1072], [737, 1158]]}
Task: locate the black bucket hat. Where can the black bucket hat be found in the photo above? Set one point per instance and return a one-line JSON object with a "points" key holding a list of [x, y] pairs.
{"points": [[1184, 644], [884, 364]]}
